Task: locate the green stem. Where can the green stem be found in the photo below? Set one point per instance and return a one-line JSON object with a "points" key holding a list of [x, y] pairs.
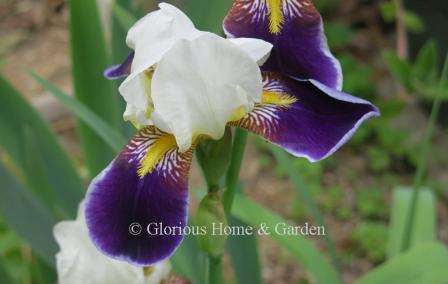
{"points": [[240, 249], [214, 267], [207, 270], [233, 173], [421, 168], [213, 270]]}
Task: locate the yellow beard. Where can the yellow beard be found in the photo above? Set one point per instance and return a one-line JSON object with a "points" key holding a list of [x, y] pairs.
{"points": [[276, 19]]}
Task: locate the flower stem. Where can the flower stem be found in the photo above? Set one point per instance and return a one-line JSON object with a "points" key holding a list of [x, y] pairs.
{"points": [[214, 264], [213, 270], [421, 168], [217, 159], [233, 173], [207, 270]]}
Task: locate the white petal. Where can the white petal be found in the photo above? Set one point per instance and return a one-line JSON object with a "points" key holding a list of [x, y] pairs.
{"points": [[258, 49], [136, 115], [200, 84], [160, 273], [155, 33], [78, 261], [151, 37]]}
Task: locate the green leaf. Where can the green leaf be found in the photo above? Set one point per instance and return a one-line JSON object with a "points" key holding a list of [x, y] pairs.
{"points": [[400, 68], [326, 6], [426, 65], [187, 260], [26, 215], [35, 150], [286, 162], [112, 137], [413, 22], [243, 251], [42, 273], [425, 263], [298, 246], [89, 60], [125, 19], [5, 277], [425, 219], [388, 11], [369, 239], [210, 20], [34, 169], [444, 77], [338, 34]]}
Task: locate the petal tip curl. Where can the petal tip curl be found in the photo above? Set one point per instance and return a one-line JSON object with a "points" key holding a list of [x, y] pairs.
{"points": [[120, 71], [372, 113]]}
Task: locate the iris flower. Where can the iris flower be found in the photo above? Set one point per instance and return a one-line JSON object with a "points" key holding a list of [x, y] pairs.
{"points": [[184, 85]]}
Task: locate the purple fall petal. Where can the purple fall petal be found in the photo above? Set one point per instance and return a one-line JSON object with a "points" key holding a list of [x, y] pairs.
{"points": [[317, 124], [300, 47], [120, 71], [118, 197]]}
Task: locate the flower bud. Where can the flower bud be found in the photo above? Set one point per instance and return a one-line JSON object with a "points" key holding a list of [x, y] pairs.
{"points": [[214, 158], [211, 214]]}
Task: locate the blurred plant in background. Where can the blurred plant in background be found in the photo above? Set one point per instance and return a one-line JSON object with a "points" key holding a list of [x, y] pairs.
{"points": [[358, 196]]}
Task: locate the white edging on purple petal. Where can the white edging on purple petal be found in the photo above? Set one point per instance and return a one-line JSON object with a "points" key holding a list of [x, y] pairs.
{"points": [[338, 95], [326, 50], [351, 99]]}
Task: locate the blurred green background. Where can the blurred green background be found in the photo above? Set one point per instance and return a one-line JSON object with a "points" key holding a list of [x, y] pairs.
{"points": [[392, 53]]}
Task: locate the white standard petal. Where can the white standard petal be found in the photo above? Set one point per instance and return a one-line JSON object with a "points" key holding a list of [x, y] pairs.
{"points": [[258, 49], [200, 85], [155, 33], [78, 261], [151, 37]]}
